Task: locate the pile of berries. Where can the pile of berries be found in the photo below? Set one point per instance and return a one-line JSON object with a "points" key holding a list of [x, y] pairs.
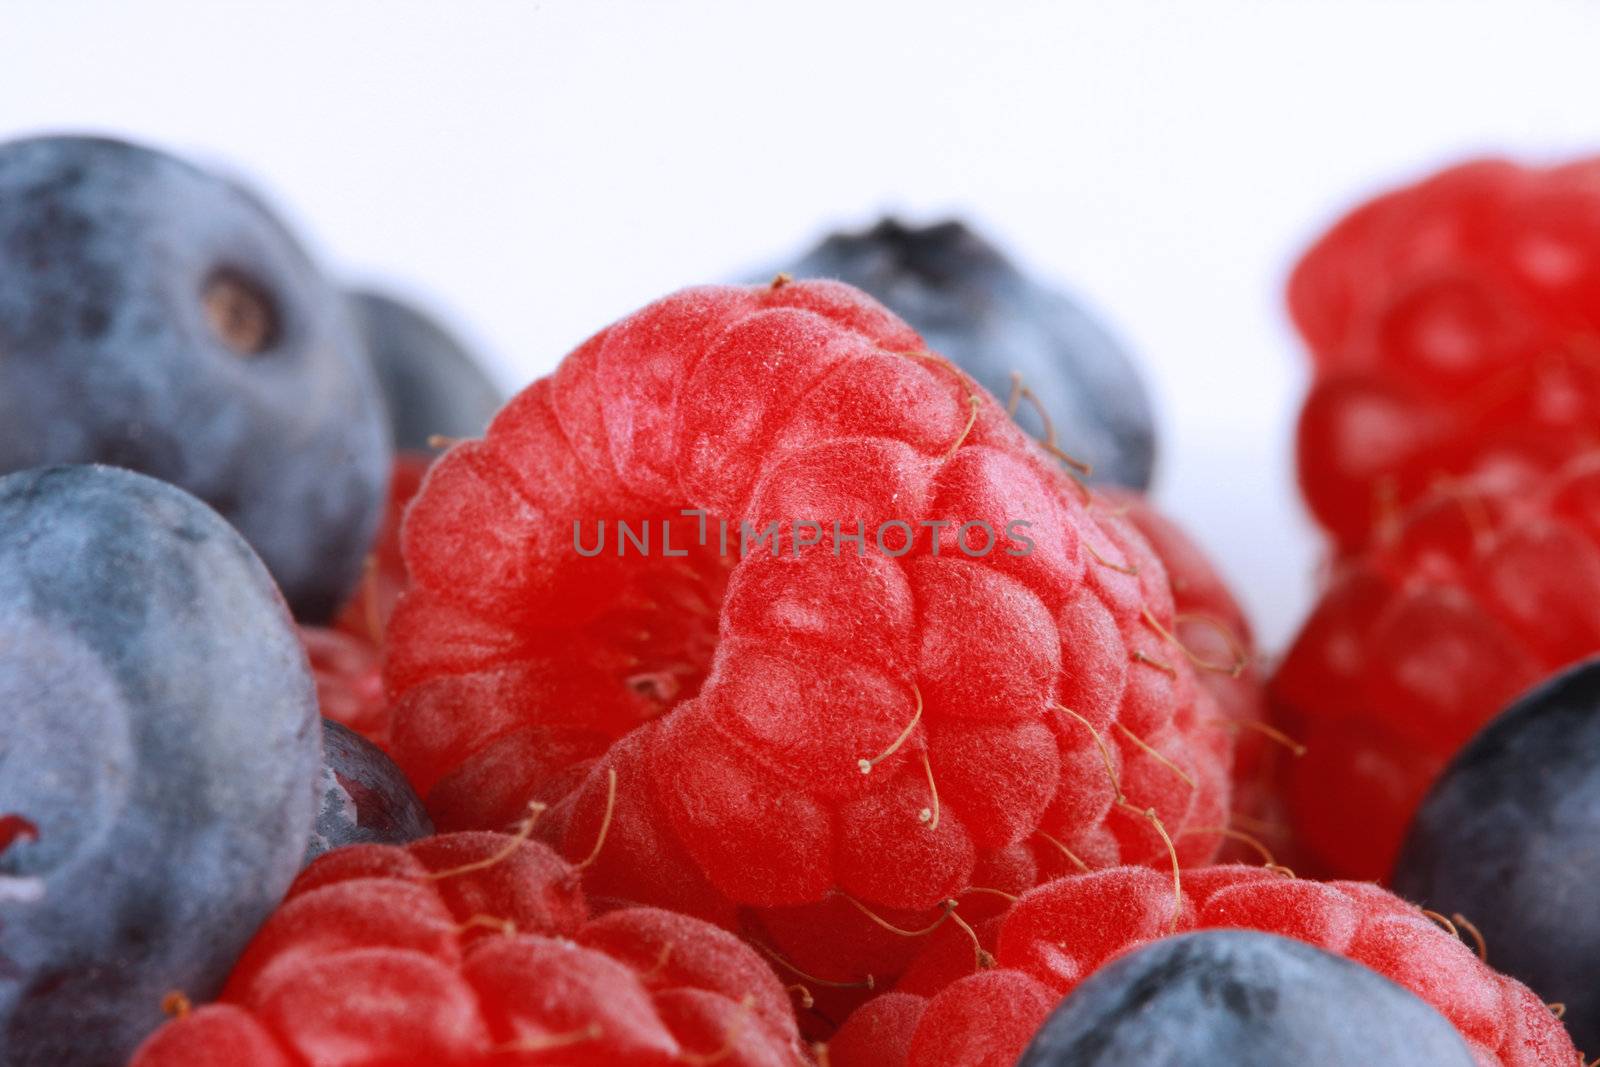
{"points": [[1449, 447], [757, 688]]}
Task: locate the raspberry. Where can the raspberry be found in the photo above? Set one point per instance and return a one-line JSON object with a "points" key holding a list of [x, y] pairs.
{"points": [[344, 658], [806, 740], [1058, 934], [1417, 644], [473, 949], [1453, 326], [1212, 626], [384, 575], [349, 685]]}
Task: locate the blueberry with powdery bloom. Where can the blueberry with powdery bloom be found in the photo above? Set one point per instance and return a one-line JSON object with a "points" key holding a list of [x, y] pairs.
{"points": [[1240, 998], [1507, 838], [156, 317], [431, 383], [976, 307], [158, 758], [365, 800]]}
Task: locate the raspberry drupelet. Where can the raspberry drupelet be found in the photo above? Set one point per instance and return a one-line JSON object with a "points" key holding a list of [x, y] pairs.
{"points": [[479, 950], [1455, 331], [944, 1015], [811, 743], [1414, 646]]}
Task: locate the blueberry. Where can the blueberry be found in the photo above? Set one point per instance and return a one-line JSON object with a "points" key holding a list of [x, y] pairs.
{"points": [[365, 799], [1509, 836], [155, 317], [974, 306], [1241, 998], [431, 383], [158, 734]]}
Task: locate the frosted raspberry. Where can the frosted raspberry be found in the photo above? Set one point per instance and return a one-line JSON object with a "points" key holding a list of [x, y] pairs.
{"points": [[384, 576], [345, 657], [478, 949], [804, 743], [1454, 326], [1058, 934], [1212, 626], [1414, 646], [349, 685]]}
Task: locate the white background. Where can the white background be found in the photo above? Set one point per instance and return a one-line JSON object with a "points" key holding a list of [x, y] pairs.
{"points": [[535, 170]]}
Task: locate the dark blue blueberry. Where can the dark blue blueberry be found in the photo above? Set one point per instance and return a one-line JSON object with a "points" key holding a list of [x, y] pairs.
{"points": [[974, 306], [158, 728], [1509, 837], [155, 317], [431, 383], [1241, 998], [365, 800]]}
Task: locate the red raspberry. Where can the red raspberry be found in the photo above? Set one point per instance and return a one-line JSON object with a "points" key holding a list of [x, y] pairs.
{"points": [[368, 612], [344, 658], [472, 950], [1416, 645], [792, 735], [946, 1014], [349, 684], [1212, 626], [1455, 326]]}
